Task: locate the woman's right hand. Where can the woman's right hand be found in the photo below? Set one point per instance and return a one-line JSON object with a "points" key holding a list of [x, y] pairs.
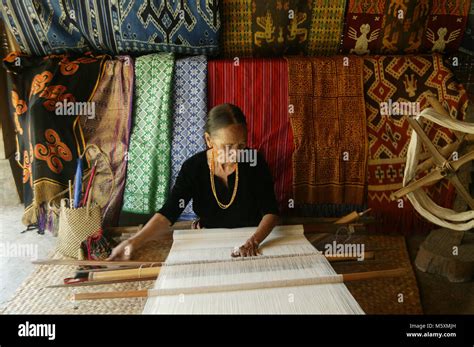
{"points": [[123, 251], [155, 229]]}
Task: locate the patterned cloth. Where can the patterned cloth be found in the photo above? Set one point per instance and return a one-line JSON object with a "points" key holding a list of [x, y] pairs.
{"points": [[148, 171], [123, 26], [48, 143], [110, 128], [260, 88], [189, 115], [42, 27], [409, 26], [404, 79], [328, 121], [276, 27]]}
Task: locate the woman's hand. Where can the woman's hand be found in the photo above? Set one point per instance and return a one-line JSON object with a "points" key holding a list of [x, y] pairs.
{"points": [[123, 251], [155, 229], [248, 249]]}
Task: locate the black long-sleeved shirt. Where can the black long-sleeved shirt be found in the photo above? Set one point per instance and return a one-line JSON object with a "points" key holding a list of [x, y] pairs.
{"points": [[255, 195]]}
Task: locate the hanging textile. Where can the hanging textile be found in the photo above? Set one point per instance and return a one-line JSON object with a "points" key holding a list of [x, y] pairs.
{"points": [[110, 127], [185, 26], [389, 80], [148, 171], [189, 115], [123, 26], [328, 122], [49, 139], [43, 27], [260, 88], [278, 27], [389, 27]]}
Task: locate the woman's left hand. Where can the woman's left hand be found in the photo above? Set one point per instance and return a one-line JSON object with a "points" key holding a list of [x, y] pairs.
{"points": [[248, 249]]}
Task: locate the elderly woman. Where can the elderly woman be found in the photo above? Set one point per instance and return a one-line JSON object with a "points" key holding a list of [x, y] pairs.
{"points": [[226, 192]]}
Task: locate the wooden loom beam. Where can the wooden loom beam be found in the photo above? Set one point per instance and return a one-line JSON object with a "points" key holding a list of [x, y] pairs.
{"points": [[236, 287], [72, 262]]}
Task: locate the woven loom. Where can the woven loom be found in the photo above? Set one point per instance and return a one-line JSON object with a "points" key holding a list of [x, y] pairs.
{"points": [[290, 276]]}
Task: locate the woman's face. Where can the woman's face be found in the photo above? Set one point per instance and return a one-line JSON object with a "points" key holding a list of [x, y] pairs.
{"points": [[227, 140]]}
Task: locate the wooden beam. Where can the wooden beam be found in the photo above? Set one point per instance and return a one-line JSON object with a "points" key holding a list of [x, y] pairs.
{"points": [[238, 287]]}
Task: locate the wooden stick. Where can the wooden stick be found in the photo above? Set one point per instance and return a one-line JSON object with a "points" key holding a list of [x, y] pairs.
{"points": [[70, 194], [242, 286], [336, 258], [351, 217], [96, 283], [107, 263], [155, 271], [125, 274], [104, 269], [92, 262]]}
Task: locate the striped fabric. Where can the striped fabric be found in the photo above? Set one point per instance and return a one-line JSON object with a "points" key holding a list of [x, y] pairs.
{"points": [[260, 88]]}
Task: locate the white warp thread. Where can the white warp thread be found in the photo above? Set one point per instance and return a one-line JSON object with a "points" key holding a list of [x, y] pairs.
{"points": [[200, 277], [419, 198]]}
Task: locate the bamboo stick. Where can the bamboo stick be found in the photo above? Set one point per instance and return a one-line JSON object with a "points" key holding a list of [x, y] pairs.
{"points": [[96, 283], [93, 262], [104, 269], [351, 217], [155, 271], [242, 286], [125, 274], [73, 262]]}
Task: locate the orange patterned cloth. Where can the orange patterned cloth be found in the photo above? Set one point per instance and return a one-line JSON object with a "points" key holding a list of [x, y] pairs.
{"points": [[44, 94], [329, 126]]}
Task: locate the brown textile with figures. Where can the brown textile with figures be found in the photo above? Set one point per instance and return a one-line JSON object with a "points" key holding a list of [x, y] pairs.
{"points": [[277, 27], [329, 126]]}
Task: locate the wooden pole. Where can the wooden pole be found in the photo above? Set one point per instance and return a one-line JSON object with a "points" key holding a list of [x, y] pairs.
{"points": [[97, 283], [136, 264], [125, 274], [242, 286]]}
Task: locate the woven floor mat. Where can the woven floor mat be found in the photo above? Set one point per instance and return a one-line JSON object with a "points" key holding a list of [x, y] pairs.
{"points": [[396, 295], [377, 296]]}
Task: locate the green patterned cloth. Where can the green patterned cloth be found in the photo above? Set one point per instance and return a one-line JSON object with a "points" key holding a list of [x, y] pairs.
{"points": [[149, 157]]}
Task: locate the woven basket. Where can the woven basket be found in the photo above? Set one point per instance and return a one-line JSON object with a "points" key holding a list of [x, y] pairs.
{"points": [[75, 226]]}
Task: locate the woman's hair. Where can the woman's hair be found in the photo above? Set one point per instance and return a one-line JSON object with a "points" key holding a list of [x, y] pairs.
{"points": [[223, 115]]}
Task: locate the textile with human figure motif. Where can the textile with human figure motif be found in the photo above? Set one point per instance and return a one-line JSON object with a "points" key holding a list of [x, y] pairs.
{"points": [[277, 27], [393, 80], [404, 26], [48, 143]]}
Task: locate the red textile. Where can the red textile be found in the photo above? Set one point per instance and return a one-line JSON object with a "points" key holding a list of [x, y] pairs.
{"points": [[260, 88]]}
